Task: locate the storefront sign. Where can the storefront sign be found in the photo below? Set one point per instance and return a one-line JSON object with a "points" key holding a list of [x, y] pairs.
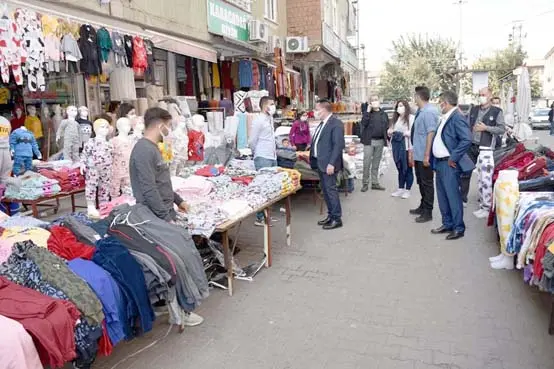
{"points": [[227, 20]]}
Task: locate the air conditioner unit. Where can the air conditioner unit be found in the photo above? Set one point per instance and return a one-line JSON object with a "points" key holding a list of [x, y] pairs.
{"points": [[258, 31], [297, 45]]}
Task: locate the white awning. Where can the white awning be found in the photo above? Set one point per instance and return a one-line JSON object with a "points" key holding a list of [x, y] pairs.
{"points": [[183, 47]]}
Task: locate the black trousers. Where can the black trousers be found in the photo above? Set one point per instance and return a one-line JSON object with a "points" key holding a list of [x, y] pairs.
{"points": [[465, 178], [328, 184], [425, 180]]}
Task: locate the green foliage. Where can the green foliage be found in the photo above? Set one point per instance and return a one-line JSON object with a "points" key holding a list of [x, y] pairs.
{"points": [[419, 61], [536, 87]]}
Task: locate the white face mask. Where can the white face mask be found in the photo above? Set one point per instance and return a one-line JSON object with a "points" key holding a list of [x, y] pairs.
{"points": [[401, 110], [271, 110], [483, 100], [317, 114], [304, 119], [375, 104]]}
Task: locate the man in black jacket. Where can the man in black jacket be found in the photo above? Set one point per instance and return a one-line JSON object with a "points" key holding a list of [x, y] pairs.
{"points": [[375, 124]]}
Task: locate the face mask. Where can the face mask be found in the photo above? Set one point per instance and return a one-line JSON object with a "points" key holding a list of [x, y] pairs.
{"points": [[496, 105], [375, 104], [317, 114], [483, 100], [304, 119], [271, 110], [164, 132], [401, 110]]}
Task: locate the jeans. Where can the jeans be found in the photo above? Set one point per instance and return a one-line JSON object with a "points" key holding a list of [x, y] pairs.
{"points": [[372, 159], [405, 172], [328, 185], [425, 178], [552, 128], [450, 196], [259, 163]]}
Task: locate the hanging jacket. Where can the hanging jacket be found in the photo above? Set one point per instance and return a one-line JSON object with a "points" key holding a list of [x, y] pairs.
{"points": [[140, 62], [104, 44], [118, 48], [128, 40], [88, 44]]}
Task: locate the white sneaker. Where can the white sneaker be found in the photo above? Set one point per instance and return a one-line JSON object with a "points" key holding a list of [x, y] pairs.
{"points": [[465, 204], [398, 193], [192, 320], [506, 262], [481, 213], [496, 258], [406, 194]]}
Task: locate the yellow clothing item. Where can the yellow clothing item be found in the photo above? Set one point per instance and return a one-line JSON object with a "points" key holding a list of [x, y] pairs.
{"points": [[215, 76], [49, 25], [19, 234], [34, 125]]}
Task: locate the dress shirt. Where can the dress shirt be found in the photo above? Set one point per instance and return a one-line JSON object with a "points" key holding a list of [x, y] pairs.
{"points": [[262, 139], [439, 148], [318, 133]]}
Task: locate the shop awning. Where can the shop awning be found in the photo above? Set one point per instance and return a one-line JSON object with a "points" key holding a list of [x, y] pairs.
{"points": [[177, 45]]}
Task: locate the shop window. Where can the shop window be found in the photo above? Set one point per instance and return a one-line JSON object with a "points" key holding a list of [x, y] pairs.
{"points": [[160, 74], [271, 10]]}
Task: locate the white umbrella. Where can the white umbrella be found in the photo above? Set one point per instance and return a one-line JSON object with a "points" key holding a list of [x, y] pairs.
{"points": [[509, 115], [522, 129]]}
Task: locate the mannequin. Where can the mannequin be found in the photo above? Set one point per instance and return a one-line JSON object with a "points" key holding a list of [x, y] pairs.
{"points": [[57, 118], [69, 134], [196, 139], [122, 144], [96, 165], [175, 112], [33, 124], [85, 125], [180, 146], [18, 119], [138, 131], [22, 147], [5, 158]]}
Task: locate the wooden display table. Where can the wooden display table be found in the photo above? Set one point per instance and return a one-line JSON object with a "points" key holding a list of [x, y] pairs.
{"points": [[46, 202]]}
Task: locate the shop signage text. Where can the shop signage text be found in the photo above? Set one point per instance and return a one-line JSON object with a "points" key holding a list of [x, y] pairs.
{"points": [[228, 21]]}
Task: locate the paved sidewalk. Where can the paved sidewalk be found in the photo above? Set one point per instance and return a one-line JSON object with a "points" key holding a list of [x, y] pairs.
{"points": [[382, 292]]}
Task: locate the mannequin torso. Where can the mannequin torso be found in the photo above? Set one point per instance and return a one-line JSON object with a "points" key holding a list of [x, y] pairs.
{"points": [[70, 136], [85, 125], [122, 144]]}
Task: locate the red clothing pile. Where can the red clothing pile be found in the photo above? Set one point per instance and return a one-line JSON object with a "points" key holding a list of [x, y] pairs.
{"points": [[63, 243], [69, 179], [209, 171], [245, 180], [50, 322]]}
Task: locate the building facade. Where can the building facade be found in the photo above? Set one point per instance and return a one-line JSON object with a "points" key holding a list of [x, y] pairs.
{"points": [[548, 76]]}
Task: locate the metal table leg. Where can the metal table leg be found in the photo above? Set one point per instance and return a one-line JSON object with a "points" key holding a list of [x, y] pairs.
{"points": [[287, 218], [267, 236], [228, 260]]}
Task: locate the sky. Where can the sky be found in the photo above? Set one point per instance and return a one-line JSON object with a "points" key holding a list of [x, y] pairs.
{"points": [[486, 25]]}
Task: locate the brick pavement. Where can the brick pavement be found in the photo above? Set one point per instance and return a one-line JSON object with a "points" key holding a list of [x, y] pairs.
{"points": [[382, 292]]}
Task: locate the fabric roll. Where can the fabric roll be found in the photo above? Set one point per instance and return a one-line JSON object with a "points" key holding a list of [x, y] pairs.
{"points": [[242, 131], [142, 105], [506, 194]]}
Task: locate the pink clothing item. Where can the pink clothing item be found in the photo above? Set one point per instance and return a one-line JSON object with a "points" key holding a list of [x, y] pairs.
{"points": [[5, 250], [140, 59], [106, 208], [121, 183], [192, 187], [11, 51], [52, 48], [17, 349]]}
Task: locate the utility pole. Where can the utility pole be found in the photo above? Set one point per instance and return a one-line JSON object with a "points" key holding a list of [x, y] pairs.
{"points": [[460, 4]]}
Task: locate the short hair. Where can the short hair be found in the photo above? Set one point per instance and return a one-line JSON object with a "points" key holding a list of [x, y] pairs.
{"points": [[124, 109], [449, 97], [285, 139], [325, 104], [104, 116], [154, 116], [496, 98], [264, 100], [423, 93], [300, 113]]}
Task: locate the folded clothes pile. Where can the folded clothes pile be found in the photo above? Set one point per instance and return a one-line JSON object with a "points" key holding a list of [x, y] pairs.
{"points": [[107, 207], [68, 179], [191, 187], [32, 187]]}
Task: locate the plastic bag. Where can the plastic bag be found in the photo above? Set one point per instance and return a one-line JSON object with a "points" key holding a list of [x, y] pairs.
{"points": [[386, 160]]}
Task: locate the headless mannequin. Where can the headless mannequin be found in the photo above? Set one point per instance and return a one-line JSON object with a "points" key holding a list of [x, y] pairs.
{"points": [[96, 165], [22, 147], [196, 140], [180, 146], [85, 125], [122, 144], [69, 135]]}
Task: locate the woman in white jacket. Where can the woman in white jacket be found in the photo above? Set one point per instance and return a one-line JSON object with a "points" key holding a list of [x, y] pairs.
{"points": [[400, 130]]}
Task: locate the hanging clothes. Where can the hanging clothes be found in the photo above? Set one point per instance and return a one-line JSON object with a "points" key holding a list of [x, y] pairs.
{"points": [[216, 80], [189, 84], [245, 74], [206, 69], [128, 42], [149, 46], [88, 44], [226, 79], [11, 51], [104, 44], [118, 48], [255, 76], [200, 77], [235, 75], [262, 70], [72, 53], [140, 61], [30, 29]]}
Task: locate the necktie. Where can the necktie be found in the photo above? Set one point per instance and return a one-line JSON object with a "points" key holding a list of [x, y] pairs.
{"points": [[316, 136]]}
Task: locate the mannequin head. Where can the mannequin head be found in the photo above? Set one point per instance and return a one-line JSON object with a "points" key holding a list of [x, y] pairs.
{"points": [[126, 110], [163, 105], [71, 112], [139, 127], [101, 128], [57, 110], [123, 126], [18, 112], [83, 112], [197, 122], [31, 110]]}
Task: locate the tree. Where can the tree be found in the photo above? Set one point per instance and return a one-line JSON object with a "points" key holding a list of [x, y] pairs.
{"points": [[536, 87], [500, 64], [419, 61]]}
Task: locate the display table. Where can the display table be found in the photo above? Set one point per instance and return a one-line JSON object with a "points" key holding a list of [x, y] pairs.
{"points": [[47, 202], [225, 227]]}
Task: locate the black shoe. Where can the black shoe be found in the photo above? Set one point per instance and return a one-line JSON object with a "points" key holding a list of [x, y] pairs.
{"points": [[365, 188], [378, 187], [441, 230], [324, 221], [424, 218], [416, 211], [454, 235], [333, 224]]}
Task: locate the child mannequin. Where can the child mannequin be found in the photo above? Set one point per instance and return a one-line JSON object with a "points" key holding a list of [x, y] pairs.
{"points": [[69, 135], [122, 146], [96, 164], [22, 147], [33, 124], [85, 125], [138, 131], [180, 146]]}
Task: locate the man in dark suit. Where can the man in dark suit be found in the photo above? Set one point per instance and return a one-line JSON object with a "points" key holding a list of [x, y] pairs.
{"points": [[450, 159], [326, 157]]}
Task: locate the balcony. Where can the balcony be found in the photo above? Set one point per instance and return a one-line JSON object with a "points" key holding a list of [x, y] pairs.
{"points": [[338, 48]]}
